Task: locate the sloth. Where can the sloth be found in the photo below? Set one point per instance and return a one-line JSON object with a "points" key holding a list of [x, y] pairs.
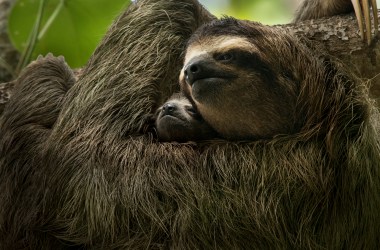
{"points": [[177, 120], [76, 173], [231, 80], [239, 88], [236, 85]]}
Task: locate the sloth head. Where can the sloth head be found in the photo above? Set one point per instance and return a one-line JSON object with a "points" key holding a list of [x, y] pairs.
{"points": [[177, 120], [240, 78]]}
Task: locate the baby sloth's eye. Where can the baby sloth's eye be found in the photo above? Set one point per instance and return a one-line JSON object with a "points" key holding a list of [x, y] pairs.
{"points": [[224, 57], [193, 113], [191, 110]]}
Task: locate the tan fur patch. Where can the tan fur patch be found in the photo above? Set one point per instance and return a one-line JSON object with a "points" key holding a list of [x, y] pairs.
{"points": [[218, 44]]}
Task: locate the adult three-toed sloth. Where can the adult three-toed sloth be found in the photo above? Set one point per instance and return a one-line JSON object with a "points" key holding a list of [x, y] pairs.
{"points": [[87, 177]]}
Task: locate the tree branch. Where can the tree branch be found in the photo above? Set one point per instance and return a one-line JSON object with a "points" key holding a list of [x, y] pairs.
{"points": [[340, 36]]}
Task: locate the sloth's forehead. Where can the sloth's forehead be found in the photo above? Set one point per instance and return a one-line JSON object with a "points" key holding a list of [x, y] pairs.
{"points": [[181, 101], [217, 44]]}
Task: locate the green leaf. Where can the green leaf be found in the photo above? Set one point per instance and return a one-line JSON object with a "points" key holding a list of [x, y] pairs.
{"points": [[76, 28]]}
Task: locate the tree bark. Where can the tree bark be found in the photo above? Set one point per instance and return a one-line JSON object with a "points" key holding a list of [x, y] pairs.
{"points": [[338, 35]]}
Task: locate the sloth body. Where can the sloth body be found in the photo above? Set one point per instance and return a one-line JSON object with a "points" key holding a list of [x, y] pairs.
{"points": [[177, 120], [77, 173]]}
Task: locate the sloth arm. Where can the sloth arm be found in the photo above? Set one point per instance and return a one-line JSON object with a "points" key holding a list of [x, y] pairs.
{"points": [[312, 9]]}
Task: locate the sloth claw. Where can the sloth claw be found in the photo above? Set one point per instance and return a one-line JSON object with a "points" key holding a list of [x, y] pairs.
{"points": [[362, 12]]}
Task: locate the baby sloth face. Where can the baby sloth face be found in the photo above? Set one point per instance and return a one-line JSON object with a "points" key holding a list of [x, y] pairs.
{"points": [[177, 120]]}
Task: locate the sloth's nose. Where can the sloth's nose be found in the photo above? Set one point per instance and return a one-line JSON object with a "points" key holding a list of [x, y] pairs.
{"points": [[194, 72], [169, 108]]}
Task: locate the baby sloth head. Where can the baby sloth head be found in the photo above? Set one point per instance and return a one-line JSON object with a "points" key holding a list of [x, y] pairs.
{"points": [[235, 75], [177, 120]]}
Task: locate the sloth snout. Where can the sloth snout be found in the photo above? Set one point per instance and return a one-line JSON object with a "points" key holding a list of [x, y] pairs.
{"points": [[169, 108], [195, 71]]}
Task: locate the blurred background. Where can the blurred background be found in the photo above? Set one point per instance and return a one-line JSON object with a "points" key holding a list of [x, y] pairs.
{"points": [[264, 11], [73, 28]]}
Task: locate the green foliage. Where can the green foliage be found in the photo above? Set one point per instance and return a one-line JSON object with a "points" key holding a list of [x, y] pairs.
{"points": [[71, 28], [267, 12]]}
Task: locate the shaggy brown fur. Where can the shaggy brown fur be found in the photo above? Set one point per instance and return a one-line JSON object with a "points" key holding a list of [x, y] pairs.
{"points": [[177, 120], [312, 9], [25, 125], [92, 181]]}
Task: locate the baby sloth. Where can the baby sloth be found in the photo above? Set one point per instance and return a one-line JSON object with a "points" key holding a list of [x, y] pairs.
{"points": [[177, 120]]}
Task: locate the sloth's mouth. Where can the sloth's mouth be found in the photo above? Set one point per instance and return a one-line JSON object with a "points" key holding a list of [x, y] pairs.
{"points": [[209, 79], [204, 88], [173, 123], [220, 77], [170, 118]]}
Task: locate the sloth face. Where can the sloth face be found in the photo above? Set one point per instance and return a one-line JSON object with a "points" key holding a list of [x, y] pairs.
{"points": [[177, 120], [235, 83]]}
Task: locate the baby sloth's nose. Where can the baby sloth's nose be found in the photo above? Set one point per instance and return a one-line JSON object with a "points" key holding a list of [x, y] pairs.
{"points": [[169, 108]]}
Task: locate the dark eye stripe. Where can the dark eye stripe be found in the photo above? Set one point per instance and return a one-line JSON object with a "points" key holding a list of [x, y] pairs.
{"points": [[248, 61], [191, 110], [224, 57]]}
